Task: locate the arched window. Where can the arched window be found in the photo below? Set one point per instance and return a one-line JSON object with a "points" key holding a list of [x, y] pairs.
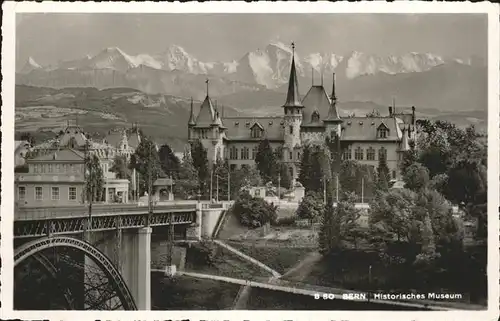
{"points": [[256, 132], [245, 152], [315, 117], [370, 154], [347, 154], [358, 154], [233, 152], [382, 131], [382, 153], [254, 151]]}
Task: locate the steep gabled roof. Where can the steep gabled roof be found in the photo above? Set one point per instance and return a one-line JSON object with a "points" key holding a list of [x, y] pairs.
{"points": [[316, 99], [191, 121], [292, 96], [333, 113], [258, 125], [207, 113], [73, 132]]}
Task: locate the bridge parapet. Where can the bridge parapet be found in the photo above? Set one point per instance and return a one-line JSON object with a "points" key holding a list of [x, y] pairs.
{"points": [[44, 213]]}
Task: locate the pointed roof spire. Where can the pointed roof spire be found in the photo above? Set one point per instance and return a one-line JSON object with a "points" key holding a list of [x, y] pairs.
{"points": [[191, 115], [333, 96], [292, 96], [312, 76], [207, 81], [394, 104], [321, 77], [333, 113]]}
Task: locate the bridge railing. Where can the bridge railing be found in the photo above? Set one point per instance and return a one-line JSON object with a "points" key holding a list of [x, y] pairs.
{"points": [[40, 213]]}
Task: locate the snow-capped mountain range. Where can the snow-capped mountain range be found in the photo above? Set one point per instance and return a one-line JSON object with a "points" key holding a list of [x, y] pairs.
{"points": [[268, 67]]}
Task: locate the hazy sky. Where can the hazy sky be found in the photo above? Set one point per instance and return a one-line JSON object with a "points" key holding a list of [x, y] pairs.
{"points": [[49, 38]]}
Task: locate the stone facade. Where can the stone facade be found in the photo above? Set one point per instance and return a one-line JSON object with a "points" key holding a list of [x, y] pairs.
{"points": [[306, 121]]}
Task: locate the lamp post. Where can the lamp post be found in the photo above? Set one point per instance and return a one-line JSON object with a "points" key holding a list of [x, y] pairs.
{"points": [[279, 188], [362, 189], [90, 189], [150, 187], [228, 184], [211, 179]]}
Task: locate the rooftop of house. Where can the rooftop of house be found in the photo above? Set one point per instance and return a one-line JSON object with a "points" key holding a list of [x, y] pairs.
{"points": [[57, 156]]}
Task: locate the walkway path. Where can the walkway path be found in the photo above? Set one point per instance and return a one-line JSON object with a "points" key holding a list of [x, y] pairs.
{"points": [[311, 290], [301, 270], [248, 258]]}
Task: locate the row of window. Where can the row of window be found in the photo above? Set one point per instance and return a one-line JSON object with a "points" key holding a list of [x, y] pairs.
{"points": [[56, 168], [54, 193], [359, 154], [244, 153]]}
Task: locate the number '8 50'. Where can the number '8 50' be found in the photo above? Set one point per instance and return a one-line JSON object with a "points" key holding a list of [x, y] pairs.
{"points": [[324, 296]]}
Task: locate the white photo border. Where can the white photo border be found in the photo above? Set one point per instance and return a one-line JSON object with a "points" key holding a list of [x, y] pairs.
{"points": [[7, 161]]}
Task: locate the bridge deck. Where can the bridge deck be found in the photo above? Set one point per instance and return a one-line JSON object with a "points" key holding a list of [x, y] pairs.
{"points": [[41, 221]]}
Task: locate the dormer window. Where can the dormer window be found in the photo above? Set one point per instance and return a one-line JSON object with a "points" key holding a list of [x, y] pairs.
{"points": [[256, 132], [315, 117], [247, 124], [382, 131]]}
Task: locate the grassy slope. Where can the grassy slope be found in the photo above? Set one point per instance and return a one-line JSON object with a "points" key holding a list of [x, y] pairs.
{"points": [[186, 293], [278, 258], [227, 264]]}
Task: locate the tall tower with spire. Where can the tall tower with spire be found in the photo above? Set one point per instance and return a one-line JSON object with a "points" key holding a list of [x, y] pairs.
{"points": [[207, 127], [333, 122], [292, 120]]}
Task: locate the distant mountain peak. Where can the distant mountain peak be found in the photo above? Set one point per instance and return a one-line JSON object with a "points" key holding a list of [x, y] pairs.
{"points": [[30, 65]]}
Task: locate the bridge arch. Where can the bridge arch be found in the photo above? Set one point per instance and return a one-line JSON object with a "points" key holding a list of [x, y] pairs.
{"points": [[100, 259]]}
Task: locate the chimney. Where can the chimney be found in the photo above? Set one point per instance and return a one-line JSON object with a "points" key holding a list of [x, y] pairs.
{"points": [[413, 118], [390, 111]]}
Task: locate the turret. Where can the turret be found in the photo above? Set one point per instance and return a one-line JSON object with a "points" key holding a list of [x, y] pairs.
{"points": [[292, 120], [404, 139], [333, 122], [293, 108]]}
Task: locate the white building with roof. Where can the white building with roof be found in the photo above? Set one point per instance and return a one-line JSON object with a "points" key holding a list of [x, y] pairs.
{"points": [[307, 120], [116, 143]]}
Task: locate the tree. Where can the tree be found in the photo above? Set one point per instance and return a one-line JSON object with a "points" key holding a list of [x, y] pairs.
{"points": [[29, 138], [416, 177], [169, 162], [349, 216], [94, 178], [329, 239], [311, 207], [305, 166], [266, 161], [312, 168], [409, 157], [242, 177], [393, 211], [200, 162], [254, 211], [383, 177], [147, 164], [285, 178], [120, 167], [373, 113], [187, 183], [339, 224]]}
